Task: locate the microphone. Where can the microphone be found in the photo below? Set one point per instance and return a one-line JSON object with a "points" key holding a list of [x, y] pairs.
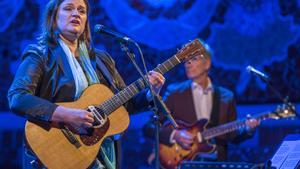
{"points": [[263, 76], [102, 29]]}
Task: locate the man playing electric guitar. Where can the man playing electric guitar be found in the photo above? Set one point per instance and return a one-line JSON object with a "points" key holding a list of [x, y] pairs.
{"points": [[198, 98]]}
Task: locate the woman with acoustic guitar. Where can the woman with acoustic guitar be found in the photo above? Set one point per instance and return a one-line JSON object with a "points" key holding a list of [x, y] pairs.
{"points": [[62, 67]]}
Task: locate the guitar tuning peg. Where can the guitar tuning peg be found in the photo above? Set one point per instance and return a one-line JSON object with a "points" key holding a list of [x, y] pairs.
{"points": [[286, 111]]}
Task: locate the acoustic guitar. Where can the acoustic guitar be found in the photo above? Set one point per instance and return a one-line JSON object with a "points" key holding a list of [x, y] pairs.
{"points": [[172, 156], [61, 146]]}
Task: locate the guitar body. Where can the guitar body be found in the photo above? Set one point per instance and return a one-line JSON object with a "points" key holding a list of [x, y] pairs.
{"points": [[172, 156], [53, 148]]}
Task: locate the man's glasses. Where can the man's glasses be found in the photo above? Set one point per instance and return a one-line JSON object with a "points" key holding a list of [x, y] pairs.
{"points": [[196, 58]]}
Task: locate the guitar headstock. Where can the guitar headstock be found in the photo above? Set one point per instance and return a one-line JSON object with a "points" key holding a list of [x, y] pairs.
{"points": [[284, 111], [190, 50]]}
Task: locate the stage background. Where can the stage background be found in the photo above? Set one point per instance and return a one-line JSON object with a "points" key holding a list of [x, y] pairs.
{"points": [[261, 33]]}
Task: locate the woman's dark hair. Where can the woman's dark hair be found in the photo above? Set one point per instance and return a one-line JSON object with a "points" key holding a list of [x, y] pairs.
{"points": [[49, 33]]}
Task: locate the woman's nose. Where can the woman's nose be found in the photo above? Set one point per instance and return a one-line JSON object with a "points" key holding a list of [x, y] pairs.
{"points": [[75, 13]]}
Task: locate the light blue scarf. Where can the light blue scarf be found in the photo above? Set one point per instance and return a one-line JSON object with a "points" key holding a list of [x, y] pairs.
{"points": [[86, 63], [82, 80]]}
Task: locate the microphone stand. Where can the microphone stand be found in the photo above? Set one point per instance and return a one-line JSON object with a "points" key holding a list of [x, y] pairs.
{"points": [[164, 110], [157, 101], [285, 100]]}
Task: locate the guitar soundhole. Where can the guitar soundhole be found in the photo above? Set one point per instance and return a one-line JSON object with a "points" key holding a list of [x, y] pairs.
{"points": [[95, 134]]}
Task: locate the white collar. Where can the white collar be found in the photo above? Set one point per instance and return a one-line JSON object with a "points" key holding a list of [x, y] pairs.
{"points": [[206, 90]]}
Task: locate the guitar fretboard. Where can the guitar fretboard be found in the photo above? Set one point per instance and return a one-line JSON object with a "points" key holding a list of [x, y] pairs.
{"points": [[230, 127], [127, 93]]}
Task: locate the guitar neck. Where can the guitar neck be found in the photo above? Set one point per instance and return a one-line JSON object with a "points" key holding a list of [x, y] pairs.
{"points": [[130, 91], [230, 127]]}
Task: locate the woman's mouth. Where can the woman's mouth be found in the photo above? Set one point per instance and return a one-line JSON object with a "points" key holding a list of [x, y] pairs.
{"points": [[76, 22]]}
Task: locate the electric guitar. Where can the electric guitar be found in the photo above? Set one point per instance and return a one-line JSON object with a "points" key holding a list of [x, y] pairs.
{"points": [[61, 146], [172, 156]]}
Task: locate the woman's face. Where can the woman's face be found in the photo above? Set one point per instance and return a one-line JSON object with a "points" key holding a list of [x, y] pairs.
{"points": [[71, 18]]}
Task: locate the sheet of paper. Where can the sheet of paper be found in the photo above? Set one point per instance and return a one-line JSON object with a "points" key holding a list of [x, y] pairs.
{"points": [[287, 156]]}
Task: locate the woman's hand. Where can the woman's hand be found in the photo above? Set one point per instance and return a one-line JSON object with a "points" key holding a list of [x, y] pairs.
{"points": [[156, 80], [77, 118]]}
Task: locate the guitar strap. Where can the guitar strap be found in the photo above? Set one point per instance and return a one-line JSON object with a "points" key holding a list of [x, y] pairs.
{"points": [[107, 75], [215, 107]]}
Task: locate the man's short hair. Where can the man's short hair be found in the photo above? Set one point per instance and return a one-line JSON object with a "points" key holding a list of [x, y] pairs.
{"points": [[208, 50]]}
